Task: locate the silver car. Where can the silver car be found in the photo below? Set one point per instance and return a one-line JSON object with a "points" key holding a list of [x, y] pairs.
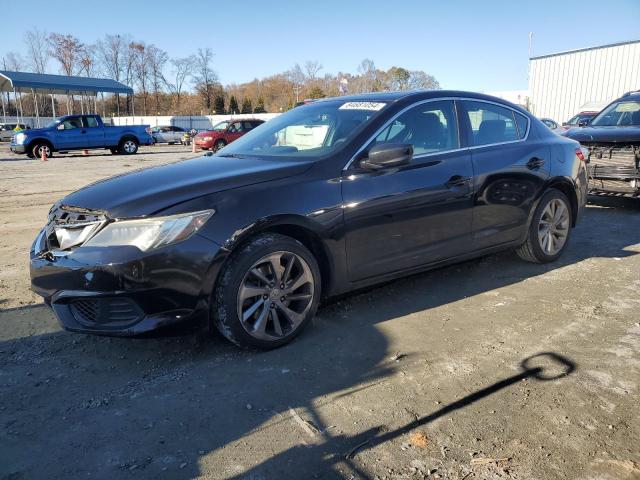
{"points": [[7, 130], [168, 134]]}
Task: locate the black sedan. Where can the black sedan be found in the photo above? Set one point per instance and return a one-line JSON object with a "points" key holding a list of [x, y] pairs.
{"points": [[329, 197]]}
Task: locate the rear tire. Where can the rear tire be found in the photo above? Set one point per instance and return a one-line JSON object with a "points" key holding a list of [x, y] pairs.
{"points": [[550, 229], [267, 292], [128, 146]]}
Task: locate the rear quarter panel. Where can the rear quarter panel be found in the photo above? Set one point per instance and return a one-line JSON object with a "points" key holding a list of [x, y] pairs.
{"points": [[113, 135]]}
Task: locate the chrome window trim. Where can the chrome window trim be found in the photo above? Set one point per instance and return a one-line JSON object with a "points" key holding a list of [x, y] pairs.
{"points": [[429, 100]]}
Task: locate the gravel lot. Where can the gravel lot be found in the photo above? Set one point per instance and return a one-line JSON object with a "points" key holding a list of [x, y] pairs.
{"points": [[425, 377]]}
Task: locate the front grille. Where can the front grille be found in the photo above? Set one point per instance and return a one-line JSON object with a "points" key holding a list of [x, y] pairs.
{"points": [[105, 312], [615, 169]]}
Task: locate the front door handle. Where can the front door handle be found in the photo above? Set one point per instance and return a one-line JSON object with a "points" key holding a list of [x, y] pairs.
{"points": [[535, 163], [84, 131], [457, 181]]}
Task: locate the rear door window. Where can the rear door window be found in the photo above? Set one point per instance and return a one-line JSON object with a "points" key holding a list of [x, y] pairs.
{"points": [[91, 122], [490, 123]]}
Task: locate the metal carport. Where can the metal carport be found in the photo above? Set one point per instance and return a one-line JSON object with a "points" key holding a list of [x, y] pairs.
{"points": [[26, 82]]}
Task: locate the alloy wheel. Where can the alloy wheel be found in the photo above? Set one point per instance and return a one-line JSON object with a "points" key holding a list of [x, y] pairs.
{"points": [[129, 146], [46, 150], [553, 227], [275, 295]]}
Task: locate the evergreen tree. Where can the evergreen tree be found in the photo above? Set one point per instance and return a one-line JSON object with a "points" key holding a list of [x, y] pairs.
{"points": [[260, 106], [233, 105], [246, 106], [218, 105], [316, 92]]}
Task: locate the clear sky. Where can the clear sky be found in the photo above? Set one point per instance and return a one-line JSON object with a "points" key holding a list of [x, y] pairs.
{"points": [[472, 45]]}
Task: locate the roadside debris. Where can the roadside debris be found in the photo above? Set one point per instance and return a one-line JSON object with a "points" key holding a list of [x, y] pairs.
{"points": [[351, 453], [487, 461], [308, 427], [419, 439]]}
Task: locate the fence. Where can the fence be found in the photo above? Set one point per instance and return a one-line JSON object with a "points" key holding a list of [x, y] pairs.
{"points": [[203, 122], [198, 122]]}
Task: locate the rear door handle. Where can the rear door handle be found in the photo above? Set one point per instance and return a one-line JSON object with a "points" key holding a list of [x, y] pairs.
{"points": [[535, 163], [457, 181]]}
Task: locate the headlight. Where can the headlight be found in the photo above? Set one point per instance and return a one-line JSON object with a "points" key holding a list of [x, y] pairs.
{"points": [[21, 137], [148, 233], [207, 139]]}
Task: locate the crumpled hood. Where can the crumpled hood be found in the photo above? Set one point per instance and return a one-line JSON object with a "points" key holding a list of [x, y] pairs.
{"points": [[147, 191], [605, 135]]}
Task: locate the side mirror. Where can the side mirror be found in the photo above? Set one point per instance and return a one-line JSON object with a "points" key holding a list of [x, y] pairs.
{"points": [[387, 155], [60, 127], [583, 123]]}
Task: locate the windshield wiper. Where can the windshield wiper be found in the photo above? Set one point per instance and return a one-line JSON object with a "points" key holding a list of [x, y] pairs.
{"points": [[232, 155]]}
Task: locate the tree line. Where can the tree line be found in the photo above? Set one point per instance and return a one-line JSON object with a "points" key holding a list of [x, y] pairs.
{"points": [[188, 85]]}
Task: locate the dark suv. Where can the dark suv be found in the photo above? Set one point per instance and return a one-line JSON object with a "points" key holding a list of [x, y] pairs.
{"points": [[329, 197], [613, 141]]}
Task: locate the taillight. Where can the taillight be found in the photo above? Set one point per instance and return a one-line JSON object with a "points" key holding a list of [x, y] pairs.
{"points": [[580, 155]]}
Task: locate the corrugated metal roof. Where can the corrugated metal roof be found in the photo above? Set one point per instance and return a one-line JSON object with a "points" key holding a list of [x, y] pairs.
{"points": [[25, 82], [584, 49]]}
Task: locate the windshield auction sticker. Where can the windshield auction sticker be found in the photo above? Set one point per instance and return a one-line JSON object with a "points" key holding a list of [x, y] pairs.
{"points": [[362, 106]]}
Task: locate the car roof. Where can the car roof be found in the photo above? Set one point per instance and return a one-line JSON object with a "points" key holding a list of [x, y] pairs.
{"points": [[416, 95], [631, 96]]}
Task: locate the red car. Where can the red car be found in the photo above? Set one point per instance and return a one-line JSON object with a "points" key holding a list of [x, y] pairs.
{"points": [[579, 120], [224, 133]]}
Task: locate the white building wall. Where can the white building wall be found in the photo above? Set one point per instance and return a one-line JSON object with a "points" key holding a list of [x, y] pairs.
{"points": [[560, 85]]}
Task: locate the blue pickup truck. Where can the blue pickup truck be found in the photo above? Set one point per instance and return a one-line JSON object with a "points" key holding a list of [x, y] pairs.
{"points": [[81, 132]]}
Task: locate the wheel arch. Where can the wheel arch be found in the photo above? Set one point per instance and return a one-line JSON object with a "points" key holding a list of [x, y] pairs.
{"points": [[568, 188], [32, 143], [128, 136], [297, 227]]}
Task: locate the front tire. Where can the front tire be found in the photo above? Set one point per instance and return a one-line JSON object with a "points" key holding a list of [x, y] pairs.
{"points": [[219, 144], [36, 151], [267, 293], [550, 229]]}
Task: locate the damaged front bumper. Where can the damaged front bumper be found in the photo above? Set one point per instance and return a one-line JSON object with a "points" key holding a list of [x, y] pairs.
{"points": [[614, 169]]}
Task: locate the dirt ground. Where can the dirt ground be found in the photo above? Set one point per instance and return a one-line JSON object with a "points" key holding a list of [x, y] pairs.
{"points": [[490, 369]]}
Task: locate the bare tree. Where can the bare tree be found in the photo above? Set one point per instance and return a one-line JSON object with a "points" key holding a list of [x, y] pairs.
{"points": [[111, 53], [141, 69], [182, 70], [129, 69], [422, 80], [37, 53], [205, 77], [312, 68], [67, 50], [13, 61], [367, 71], [297, 77], [157, 59]]}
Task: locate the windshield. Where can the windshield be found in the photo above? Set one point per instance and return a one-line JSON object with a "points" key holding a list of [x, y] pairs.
{"points": [[619, 114], [220, 126], [52, 124], [307, 132]]}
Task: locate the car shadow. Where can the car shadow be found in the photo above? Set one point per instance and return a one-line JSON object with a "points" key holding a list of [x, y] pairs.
{"points": [[157, 406]]}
